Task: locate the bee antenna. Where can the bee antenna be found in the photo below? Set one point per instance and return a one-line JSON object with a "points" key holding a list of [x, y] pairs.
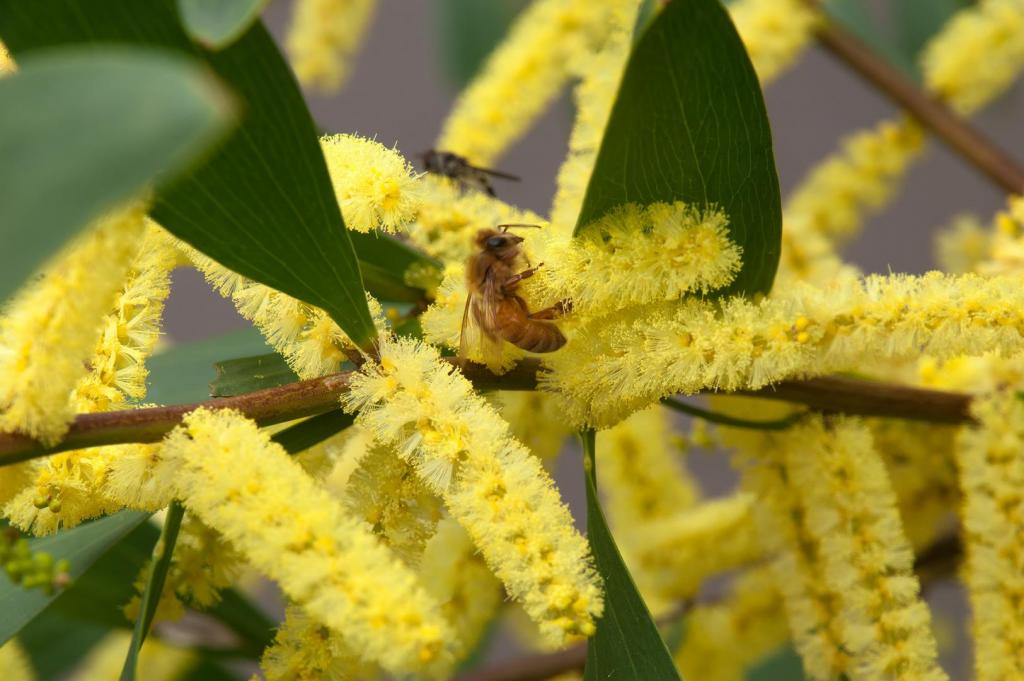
{"points": [[504, 228]]}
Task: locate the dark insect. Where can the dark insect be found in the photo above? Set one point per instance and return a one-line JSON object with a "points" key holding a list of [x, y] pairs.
{"points": [[494, 312], [459, 169]]}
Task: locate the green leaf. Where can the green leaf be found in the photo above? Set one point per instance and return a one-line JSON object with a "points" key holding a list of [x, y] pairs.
{"points": [[314, 430], [154, 588], [246, 374], [689, 124], [55, 645], [82, 546], [217, 23], [627, 645], [263, 205], [183, 373], [81, 131], [384, 262], [469, 30], [783, 665]]}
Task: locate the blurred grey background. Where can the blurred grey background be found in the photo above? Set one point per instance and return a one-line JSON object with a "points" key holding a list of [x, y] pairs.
{"points": [[401, 90]]}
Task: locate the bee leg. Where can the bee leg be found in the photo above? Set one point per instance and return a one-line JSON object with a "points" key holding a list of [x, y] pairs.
{"points": [[512, 282], [556, 311]]}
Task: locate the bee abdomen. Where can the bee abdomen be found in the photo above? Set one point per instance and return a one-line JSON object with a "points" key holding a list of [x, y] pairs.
{"points": [[534, 336]]}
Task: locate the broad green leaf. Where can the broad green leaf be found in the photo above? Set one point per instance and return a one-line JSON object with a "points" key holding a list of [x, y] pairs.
{"points": [[263, 205], [689, 124], [82, 546], [627, 645], [385, 260], [313, 430], [469, 30], [55, 644], [154, 587], [246, 374], [217, 23], [81, 131], [183, 373]]}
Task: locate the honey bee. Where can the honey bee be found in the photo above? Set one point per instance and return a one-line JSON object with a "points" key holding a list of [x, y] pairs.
{"points": [[494, 312], [459, 169]]}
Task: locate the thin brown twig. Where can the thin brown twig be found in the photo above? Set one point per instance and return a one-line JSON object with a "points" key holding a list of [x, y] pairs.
{"points": [[927, 109], [318, 395]]}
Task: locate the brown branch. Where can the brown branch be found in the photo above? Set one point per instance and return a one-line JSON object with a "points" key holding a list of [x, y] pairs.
{"points": [[318, 395], [930, 111], [935, 561]]}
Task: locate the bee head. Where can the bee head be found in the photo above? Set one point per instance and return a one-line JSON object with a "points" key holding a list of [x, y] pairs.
{"points": [[499, 243]]}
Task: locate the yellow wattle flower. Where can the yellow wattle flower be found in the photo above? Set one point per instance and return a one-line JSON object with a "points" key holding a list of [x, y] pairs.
{"points": [[310, 341], [246, 487], [51, 327], [535, 420], [306, 650], [1006, 240], [635, 255], [7, 64], [430, 414], [722, 640], [323, 38], [963, 246], [456, 575], [977, 54], [865, 556], [628, 360], [375, 186], [774, 32], [524, 73], [991, 461]]}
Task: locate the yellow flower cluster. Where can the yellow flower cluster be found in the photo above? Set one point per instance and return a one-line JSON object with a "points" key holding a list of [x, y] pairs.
{"points": [[865, 557], [635, 255], [392, 500], [1006, 243], [535, 421], [640, 355], [310, 341], [14, 663], [524, 73], [977, 54], [6, 63], [774, 32], [449, 218], [51, 327], [599, 77], [324, 36], [131, 331], [456, 575], [962, 246], [376, 187], [991, 460], [723, 639], [430, 414], [240, 483], [306, 650]]}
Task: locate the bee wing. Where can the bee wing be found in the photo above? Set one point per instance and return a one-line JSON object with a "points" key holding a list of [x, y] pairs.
{"points": [[497, 173], [478, 318]]}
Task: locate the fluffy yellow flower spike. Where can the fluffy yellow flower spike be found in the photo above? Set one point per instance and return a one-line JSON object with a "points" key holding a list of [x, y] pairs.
{"points": [[535, 420], [456, 575], [599, 82], [774, 32], [387, 494], [524, 73], [131, 331], [991, 459], [811, 603], [978, 53], [851, 512], [240, 483], [427, 411], [963, 246], [324, 36], [723, 639], [449, 218], [636, 255], [14, 663], [305, 650], [376, 187], [1006, 245], [51, 328], [631, 359], [6, 63], [310, 341]]}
